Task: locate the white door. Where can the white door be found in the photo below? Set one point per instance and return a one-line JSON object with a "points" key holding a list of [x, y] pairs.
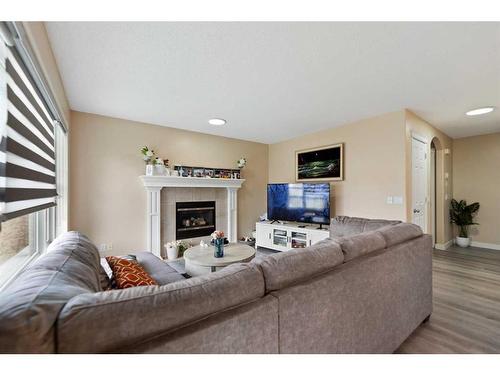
{"points": [[419, 178]]}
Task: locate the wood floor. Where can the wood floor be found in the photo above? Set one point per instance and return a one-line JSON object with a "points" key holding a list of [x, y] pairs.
{"points": [[466, 316]]}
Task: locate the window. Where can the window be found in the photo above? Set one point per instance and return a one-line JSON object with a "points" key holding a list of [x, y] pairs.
{"points": [[33, 159]]}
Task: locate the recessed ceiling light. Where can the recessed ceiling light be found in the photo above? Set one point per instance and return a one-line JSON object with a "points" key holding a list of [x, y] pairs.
{"points": [[479, 111], [216, 121]]}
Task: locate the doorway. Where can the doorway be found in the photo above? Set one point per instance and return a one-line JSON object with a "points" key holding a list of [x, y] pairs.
{"points": [[419, 182]]}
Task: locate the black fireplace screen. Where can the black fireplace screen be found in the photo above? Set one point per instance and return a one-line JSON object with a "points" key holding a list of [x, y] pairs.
{"points": [[194, 219]]}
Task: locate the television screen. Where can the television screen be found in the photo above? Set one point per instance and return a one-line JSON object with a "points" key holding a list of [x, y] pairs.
{"points": [[307, 203]]}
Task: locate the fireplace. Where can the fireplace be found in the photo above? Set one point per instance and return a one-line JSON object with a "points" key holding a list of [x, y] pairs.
{"points": [[194, 219]]}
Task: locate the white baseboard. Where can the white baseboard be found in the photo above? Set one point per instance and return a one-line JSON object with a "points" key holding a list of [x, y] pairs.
{"points": [[485, 245], [443, 246]]}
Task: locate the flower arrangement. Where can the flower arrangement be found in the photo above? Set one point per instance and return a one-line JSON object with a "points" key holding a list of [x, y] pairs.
{"points": [[148, 155], [241, 163], [217, 234], [158, 161]]}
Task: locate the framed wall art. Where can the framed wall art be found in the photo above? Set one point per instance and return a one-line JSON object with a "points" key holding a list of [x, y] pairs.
{"points": [[324, 163]]}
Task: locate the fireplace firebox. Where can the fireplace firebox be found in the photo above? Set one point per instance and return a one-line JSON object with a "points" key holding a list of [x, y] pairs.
{"points": [[194, 219]]}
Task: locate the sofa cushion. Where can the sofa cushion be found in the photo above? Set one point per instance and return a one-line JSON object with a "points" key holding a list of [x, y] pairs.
{"points": [[128, 274], [138, 314], [342, 226], [286, 268], [361, 244], [29, 306], [399, 233], [158, 269]]}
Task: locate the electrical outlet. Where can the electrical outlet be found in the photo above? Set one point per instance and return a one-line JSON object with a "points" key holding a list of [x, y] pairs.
{"points": [[104, 247]]}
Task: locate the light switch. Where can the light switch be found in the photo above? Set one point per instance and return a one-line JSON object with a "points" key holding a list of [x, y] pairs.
{"points": [[446, 175], [397, 200]]}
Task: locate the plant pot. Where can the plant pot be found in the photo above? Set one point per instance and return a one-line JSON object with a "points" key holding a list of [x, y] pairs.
{"points": [[463, 241], [172, 252], [149, 169]]}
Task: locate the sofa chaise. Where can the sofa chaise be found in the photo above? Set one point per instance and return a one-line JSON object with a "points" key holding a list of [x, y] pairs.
{"points": [[363, 290]]}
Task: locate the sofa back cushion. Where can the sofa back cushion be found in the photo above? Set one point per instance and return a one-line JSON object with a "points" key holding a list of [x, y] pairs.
{"points": [[343, 226], [110, 321], [158, 269], [400, 233], [283, 269], [361, 244], [30, 305]]}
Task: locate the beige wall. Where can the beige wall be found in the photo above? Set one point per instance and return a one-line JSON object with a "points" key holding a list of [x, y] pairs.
{"points": [[374, 165], [476, 178], [39, 41], [107, 200], [444, 187]]}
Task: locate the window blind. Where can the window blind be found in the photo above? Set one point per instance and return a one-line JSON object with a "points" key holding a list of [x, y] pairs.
{"points": [[27, 151]]}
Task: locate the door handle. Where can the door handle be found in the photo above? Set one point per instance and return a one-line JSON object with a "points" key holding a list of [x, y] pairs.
{"points": [[415, 211]]}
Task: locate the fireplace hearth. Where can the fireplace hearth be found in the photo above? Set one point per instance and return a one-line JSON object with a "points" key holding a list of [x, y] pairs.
{"points": [[194, 219]]}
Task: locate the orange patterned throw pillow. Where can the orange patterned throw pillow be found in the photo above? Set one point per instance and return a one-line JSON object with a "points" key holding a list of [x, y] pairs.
{"points": [[128, 274]]}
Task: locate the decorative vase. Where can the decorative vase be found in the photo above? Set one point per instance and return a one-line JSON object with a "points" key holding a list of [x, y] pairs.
{"points": [[159, 170], [463, 241], [149, 169], [219, 247], [172, 251]]}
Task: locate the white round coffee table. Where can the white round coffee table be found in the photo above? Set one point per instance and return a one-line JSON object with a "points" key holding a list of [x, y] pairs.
{"points": [[200, 260]]}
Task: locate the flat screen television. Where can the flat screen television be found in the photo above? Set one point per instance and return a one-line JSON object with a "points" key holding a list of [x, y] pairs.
{"points": [[305, 203]]}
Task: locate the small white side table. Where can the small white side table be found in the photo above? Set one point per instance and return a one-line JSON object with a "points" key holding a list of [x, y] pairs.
{"points": [[200, 260]]}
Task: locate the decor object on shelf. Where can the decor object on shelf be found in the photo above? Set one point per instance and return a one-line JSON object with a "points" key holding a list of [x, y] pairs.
{"points": [[241, 163], [159, 167], [148, 156], [462, 215], [172, 250], [320, 164], [218, 237], [203, 172]]}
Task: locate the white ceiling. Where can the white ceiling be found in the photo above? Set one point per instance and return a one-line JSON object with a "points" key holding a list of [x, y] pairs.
{"points": [[275, 81]]}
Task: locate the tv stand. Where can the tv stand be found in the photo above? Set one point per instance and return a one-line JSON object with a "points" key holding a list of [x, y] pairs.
{"points": [[288, 236], [320, 226]]}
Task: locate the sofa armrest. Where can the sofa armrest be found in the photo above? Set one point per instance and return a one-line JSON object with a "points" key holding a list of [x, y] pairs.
{"points": [[106, 321]]}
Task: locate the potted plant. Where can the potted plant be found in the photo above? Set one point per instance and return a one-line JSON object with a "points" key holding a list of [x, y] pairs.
{"points": [[462, 215], [172, 250], [149, 157]]}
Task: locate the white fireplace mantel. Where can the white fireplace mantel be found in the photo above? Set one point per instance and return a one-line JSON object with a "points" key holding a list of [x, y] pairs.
{"points": [[154, 184]]}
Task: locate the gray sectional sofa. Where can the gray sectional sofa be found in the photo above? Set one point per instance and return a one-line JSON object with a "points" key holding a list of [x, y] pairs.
{"points": [[364, 290]]}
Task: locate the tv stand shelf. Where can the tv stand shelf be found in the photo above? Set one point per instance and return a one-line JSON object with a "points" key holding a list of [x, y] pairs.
{"points": [[286, 236]]}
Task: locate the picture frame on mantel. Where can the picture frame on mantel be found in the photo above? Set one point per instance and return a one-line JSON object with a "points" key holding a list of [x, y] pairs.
{"points": [[325, 163]]}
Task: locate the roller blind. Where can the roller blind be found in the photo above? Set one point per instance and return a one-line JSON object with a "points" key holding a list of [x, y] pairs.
{"points": [[27, 151]]}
